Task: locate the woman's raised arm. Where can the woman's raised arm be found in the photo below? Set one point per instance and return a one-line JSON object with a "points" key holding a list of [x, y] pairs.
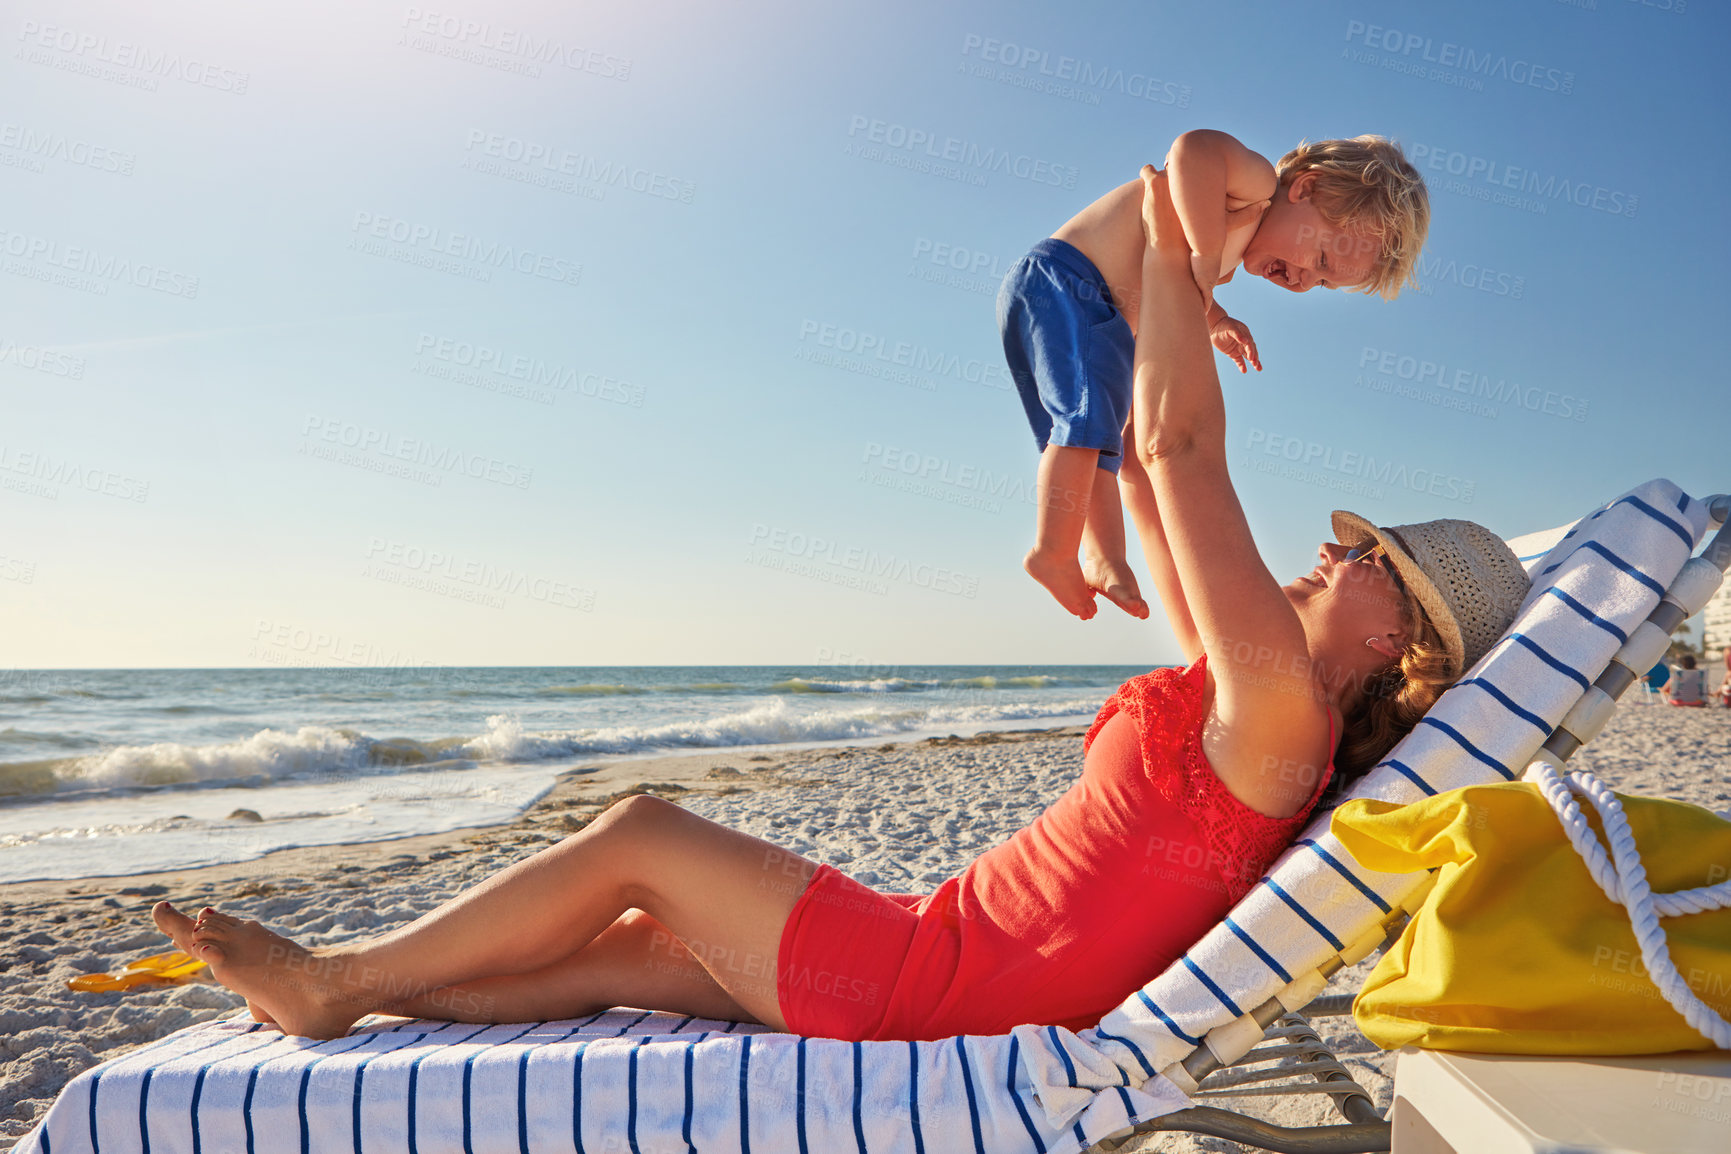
{"points": [[1143, 510], [1255, 644]]}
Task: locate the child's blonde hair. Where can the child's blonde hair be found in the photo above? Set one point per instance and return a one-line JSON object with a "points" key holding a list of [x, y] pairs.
{"points": [[1367, 185]]}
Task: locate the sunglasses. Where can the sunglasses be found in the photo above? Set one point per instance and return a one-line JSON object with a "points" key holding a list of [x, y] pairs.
{"points": [[1375, 554]]}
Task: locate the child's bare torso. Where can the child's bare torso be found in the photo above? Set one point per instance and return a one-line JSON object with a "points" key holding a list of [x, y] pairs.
{"points": [[1109, 233]]}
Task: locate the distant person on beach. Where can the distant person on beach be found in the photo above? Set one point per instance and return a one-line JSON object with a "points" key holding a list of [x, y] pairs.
{"points": [[1688, 685], [1336, 214], [1193, 781]]}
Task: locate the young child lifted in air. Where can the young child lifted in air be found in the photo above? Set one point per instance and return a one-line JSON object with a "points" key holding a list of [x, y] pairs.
{"points": [[1337, 213]]}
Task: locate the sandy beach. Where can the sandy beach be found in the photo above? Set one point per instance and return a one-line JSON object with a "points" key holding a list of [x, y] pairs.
{"points": [[896, 816]]}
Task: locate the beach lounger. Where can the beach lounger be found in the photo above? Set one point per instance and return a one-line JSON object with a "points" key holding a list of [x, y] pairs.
{"points": [[640, 1082], [1593, 622]]}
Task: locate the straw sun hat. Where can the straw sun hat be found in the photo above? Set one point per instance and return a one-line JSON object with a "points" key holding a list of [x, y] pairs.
{"points": [[1468, 581]]}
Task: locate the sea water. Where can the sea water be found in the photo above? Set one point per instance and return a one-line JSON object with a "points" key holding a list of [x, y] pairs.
{"points": [[115, 772]]}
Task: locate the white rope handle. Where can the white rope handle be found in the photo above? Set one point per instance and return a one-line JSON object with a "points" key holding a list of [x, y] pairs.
{"points": [[1626, 884]]}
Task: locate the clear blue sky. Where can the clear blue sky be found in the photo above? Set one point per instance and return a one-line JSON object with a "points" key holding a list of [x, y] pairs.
{"points": [[247, 253]]}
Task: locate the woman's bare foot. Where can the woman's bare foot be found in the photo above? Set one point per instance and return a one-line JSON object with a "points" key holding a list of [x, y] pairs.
{"points": [[175, 924], [281, 981], [179, 929], [1116, 580], [1063, 579]]}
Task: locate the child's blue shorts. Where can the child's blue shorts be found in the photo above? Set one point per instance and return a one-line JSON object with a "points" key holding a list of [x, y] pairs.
{"points": [[1070, 350]]}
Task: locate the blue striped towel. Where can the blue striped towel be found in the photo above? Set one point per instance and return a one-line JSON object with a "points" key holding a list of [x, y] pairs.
{"points": [[632, 1081], [626, 1080], [1594, 581]]}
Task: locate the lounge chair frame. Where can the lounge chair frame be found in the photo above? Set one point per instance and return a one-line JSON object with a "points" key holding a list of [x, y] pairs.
{"points": [[1209, 1066]]}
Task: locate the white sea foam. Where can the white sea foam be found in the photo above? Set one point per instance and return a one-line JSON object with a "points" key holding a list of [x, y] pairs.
{"points": [[117, 835], [270, 754], [273, 755], [771, 723]]}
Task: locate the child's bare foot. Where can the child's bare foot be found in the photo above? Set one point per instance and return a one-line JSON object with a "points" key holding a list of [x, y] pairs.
{"points": [[1118, 583], [1063, 579], [281, 981]]}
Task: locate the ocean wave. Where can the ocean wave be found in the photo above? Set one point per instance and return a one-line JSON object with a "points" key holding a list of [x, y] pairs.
{"points": [[874, 685], [111, 830], [923, 685], [862, 681], [31, 778], [10, 736], [597, 689], [316, 752], [1030, 681], [772, 723], [591, 691], [269, 755]]}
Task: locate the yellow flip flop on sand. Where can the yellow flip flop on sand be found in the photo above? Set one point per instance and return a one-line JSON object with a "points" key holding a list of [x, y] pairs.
{"points": [[171, 968]]}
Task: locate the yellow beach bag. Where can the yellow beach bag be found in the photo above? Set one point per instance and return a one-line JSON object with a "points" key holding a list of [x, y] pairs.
{"points": [[1518, 950]]}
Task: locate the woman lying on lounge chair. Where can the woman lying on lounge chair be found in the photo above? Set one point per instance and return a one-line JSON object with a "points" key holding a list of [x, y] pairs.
{"points": [[1193, 782]]}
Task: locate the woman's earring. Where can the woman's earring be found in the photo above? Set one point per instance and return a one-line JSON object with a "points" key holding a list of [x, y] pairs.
{"points": [[1370, 641]]}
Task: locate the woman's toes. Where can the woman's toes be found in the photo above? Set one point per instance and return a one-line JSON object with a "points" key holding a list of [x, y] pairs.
{"points": [[175, 924], [219, 926], [215, 919], [206, 945]]}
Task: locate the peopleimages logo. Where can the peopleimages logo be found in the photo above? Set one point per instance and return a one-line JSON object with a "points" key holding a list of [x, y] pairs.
{"points": [[1500, 390], [866, 564], [556, 161], [1460, 57], [527, 46], [955, 256], [942, 479], [88, 51], [532, 372], [1070, 76], [944, 471], [436, 242], [42, 144], [100, 267], [413, 450], [905, 355], [1485, 179], [1351, 470], [431, 569], [40, 359], [1468, 275], [900, 138], [45, 468]]}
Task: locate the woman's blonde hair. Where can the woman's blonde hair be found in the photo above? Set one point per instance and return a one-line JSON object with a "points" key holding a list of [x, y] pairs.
{"points": [[1390, 706], [1366, 185]]}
